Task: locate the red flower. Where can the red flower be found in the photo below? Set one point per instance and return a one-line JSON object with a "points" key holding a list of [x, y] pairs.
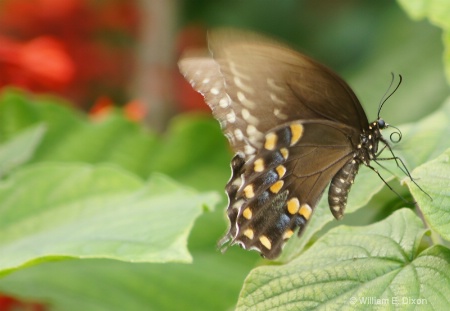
{"points": [[193, 37], [80, 49], [39, 64], [8, 303], [133, 110]]}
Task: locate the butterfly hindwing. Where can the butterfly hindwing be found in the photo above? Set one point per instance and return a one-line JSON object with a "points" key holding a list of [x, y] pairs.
{"points": [[274, 194]]}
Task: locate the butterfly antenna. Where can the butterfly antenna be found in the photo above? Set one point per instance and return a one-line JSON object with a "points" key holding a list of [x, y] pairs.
{"points": [[385, 98], [395, 136]]}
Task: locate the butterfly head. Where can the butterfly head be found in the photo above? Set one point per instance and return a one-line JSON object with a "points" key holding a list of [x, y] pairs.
{"points": [[381, 124]]}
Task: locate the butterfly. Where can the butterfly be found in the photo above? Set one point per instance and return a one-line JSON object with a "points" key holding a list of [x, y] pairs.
{"points": [[295, 127]]}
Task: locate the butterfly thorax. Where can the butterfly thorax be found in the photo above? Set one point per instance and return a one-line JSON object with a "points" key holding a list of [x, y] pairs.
{"points": [[367, 149]]}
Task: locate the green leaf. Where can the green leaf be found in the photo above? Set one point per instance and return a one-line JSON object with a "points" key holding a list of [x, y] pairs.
{"points": [[349, 266], [194, 152], [423, 140], [53, 211], [20, 148], [438, 12], [434, 178], [211, 282]]}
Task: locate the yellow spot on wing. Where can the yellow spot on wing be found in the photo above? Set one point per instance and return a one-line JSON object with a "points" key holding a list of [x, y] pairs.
{"points": [[265, 242], [271, 141], [293, 206], [247, 213], [259, 165], [287, 234], [284, 152], [248, 191], [297, 132], [305, 211], [276, 187], [249, 233], [281, 170]]}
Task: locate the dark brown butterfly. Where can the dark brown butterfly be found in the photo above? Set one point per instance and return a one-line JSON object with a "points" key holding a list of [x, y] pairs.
{"points": [[295, 127]]}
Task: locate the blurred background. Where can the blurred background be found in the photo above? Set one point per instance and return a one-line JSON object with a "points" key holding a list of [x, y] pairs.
{"points": [[102, 54]]}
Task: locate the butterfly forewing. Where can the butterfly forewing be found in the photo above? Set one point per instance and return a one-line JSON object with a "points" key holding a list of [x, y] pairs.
{"points": [[293, 124], [284, 82], [205, 76]]}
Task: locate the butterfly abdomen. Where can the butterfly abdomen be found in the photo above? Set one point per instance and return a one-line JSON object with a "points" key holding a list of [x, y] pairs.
{"points": [[340, 187]]}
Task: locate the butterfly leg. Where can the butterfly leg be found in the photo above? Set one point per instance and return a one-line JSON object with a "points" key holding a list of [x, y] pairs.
{"points": [[402, 167]]}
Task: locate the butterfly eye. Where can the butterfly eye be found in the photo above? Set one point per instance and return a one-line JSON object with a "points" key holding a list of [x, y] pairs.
{"points": [[381, 124]]}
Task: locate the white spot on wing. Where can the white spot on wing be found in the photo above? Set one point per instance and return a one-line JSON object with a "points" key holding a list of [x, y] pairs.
{"points": [[249, 149], [244, 101], [248, 117], [215, 91], [245, 114], [271, 83], [236, 72], [279, 114], [276, 100], [255, 140], [242, 86], [255, 136], [251, 130], [237, 204], [231, 117], [239, 135], [224, 102]]}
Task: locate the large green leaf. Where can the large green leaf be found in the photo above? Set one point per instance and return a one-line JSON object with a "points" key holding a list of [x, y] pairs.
{"points": [[211, 282], [438, 12], [52, 211], [426, 139], [434, 177], [20, 149], [351, 266]]}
